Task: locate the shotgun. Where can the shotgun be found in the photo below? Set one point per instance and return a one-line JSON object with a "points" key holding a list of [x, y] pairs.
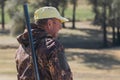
{"points": [[34, 57]]}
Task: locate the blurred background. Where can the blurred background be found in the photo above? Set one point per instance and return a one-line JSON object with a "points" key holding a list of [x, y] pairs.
{"points": [[91, 37]]}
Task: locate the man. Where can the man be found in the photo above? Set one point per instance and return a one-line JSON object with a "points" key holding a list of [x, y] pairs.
{"points": [[52, 62]]}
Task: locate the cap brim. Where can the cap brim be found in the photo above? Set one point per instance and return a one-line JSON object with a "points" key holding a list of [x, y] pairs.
{"points": [[62, 19]]}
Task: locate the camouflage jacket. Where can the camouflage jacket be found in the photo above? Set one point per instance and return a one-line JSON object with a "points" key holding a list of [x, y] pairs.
{"points": [[52, 62]]}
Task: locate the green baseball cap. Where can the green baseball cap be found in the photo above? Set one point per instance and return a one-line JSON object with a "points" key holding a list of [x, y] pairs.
{"points": [[48, 12]]}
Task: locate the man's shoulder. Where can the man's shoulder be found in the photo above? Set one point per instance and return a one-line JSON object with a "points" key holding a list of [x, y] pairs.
{"points": [[52, 44]]}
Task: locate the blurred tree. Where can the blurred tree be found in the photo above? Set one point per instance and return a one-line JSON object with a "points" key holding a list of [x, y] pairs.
{"points": [[63, 6], [2, 3], [112, 22], [97, 9], [15, 10], [116, 12], [74, 2], [104, 25], [55, 3], [105, 14], [47, 2]]}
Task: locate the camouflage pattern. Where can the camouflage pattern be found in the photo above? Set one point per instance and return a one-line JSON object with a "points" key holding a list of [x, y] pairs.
{"points": [[51, 59]]}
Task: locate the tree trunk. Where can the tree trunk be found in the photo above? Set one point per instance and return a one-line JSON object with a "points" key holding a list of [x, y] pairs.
{"points": [[95, 9], [118, 31], [2, 14], [74, 13], [112, 23], [104, 25], [110, 10], [118, 35], [63, 14], [113, 34]]}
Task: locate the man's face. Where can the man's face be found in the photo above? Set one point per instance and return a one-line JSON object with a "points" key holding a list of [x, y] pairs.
{"points": [[54, 26]]}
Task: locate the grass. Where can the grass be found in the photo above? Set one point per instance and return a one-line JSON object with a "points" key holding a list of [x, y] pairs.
{"points": [[7, 61], [86, 63], [83, 13], [7, 64]]}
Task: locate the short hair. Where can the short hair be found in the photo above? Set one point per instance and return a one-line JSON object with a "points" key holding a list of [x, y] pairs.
{"points": [[41, 23]]}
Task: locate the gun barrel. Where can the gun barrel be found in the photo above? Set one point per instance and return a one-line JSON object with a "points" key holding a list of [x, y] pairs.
{"points": [[34, 57]]}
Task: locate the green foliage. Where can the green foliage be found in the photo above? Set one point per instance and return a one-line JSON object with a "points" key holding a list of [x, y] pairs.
{"points": [[15, 12], [115, 8], [18, 24], [16, 7], [98, 9], [82, 13], [100, 2]]}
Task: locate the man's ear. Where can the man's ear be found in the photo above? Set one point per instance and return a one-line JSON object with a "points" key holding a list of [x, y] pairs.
{"points": [[50, 23]]}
